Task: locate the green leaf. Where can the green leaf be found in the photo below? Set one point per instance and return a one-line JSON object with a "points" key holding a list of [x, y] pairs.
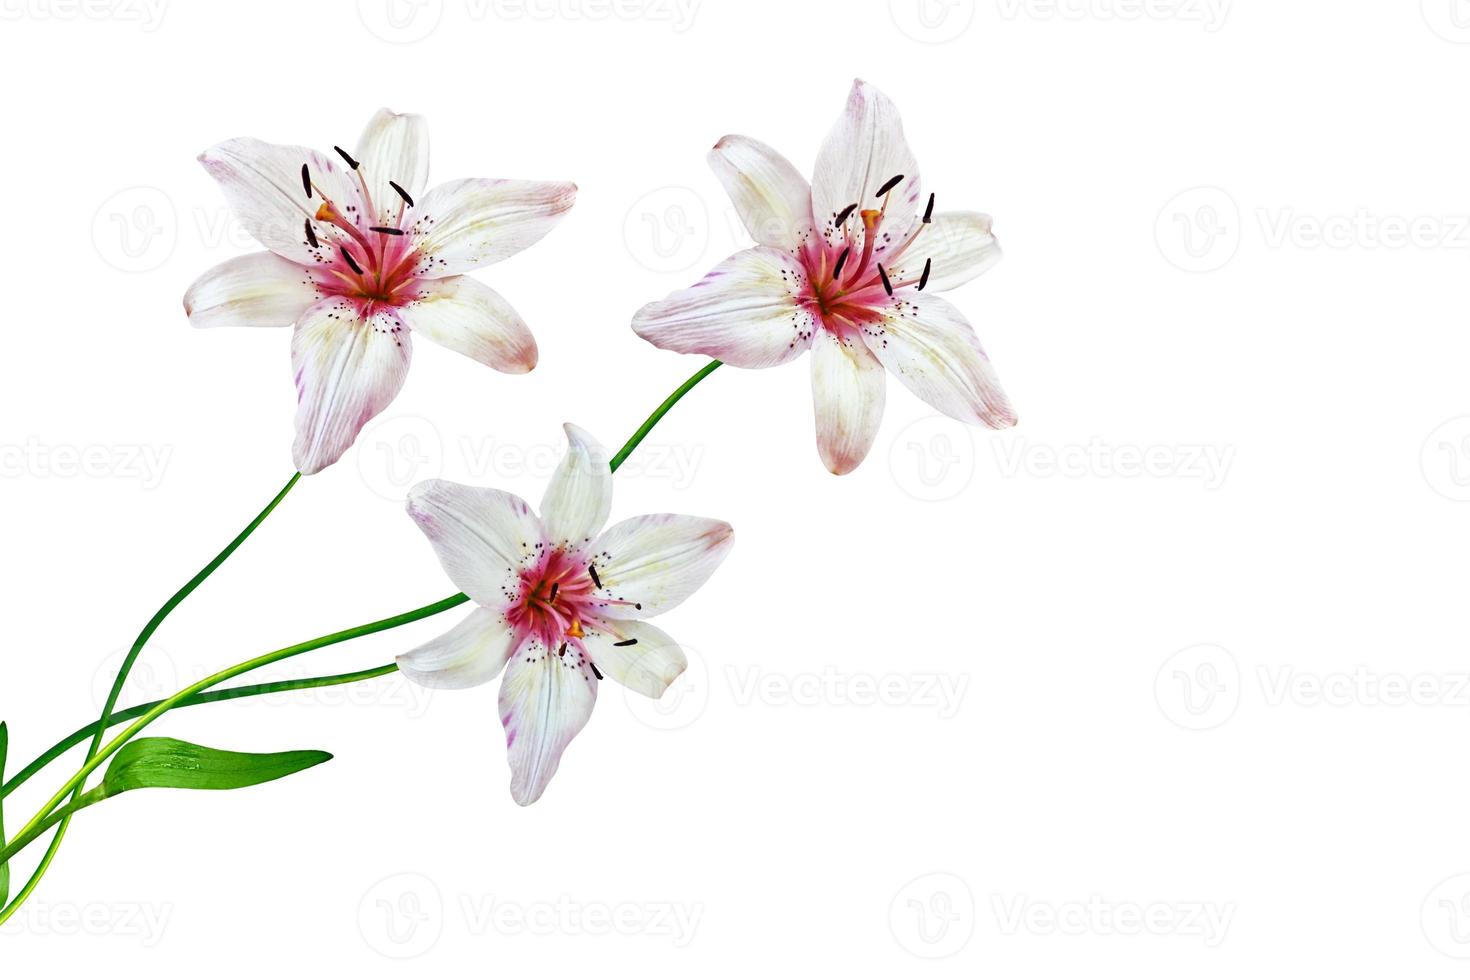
{"points": [[168, 762], [4, 867]]}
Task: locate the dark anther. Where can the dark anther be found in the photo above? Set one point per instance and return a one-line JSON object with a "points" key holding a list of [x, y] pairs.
{"points": [[310, 235], [306, 180], [626, 643], [891, 183], [924, 276], [554, 587], [592, 570], [346, 156], [883, 274], [841, 261], [563, 651], [401, 192], [351, 261], [843, 214], [384, 230], [929, 211], [594, 669]]}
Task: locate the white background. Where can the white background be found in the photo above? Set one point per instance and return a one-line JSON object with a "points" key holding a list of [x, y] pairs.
{"points": [[1205, 717]]}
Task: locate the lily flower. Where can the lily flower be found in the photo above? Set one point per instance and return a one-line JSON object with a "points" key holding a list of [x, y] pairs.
{"points": [[561, 606], [361, 258], [847, 267]]}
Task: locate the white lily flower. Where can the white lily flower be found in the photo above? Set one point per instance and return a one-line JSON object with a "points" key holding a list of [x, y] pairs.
{"points": [[847, 267], [362, 257], [561, 606]]}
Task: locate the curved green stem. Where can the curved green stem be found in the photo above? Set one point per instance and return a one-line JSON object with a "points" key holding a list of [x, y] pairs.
{"points": [[159, 708], [194, 694], [127, 665], [206, 697], [173, 602], [660, 412]]}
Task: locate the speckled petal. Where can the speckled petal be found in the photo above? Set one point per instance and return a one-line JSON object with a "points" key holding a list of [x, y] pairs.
{"points": [[745, 312], [545, 700]]}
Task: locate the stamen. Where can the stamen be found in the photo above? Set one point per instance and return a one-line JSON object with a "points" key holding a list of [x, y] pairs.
{"points": [[871, 219], [350, 260], [887, 286], [929, 211], [594, 669], [592, 570], [843, 215], [310, 235], [554, 587], [841, 261], [563, 651], [306, 181], [924, 276], [346, 156], [626, 643], [383, 230], [891, 183], [401, 192]]}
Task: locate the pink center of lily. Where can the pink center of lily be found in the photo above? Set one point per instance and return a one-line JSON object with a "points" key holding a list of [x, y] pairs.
{"points": [[375, 265], [557, 603], [848, 281]]}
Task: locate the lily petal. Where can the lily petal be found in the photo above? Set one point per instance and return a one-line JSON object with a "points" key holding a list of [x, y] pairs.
{"points": [[579, 496], [474, 320], [864, 150], [639, 656], [847, 392], [959, 245], [347, 369], [262, 183], [770, 195], [932, 349], [469, 655], [257, 290], [483, 537], [545, 700], [656, 561], [466, 224], [744, 312], [393, 147]]}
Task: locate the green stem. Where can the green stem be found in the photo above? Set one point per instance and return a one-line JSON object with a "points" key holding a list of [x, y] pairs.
{"points": [[194, 694], [660, 412], [4, 868], [79, 802], [122, 676], [207, 697], [172, 603], [161, 707]]}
